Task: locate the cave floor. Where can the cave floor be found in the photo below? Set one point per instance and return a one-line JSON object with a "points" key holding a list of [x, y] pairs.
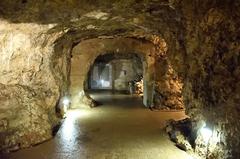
{"points": [[121, 128]]}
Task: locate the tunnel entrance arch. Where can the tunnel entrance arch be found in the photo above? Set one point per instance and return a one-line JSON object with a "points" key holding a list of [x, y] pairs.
{"points": [[85, 53]]}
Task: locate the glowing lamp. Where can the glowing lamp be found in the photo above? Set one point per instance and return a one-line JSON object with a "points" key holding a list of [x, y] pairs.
{"points": [[102, 81], [66, 101], [206, 133]]}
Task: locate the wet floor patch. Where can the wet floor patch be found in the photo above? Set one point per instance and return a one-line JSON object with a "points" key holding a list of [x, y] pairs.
{"points": [[122, 128]]}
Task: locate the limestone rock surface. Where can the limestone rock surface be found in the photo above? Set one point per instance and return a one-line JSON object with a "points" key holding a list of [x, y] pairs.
{"points": [[202, 39]]}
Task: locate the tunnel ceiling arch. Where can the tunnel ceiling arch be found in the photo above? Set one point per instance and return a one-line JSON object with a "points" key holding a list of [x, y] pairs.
{"points": [[85, 53], [203, 51]]}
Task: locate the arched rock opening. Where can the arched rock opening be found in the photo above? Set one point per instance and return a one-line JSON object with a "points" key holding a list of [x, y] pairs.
{"points": [[85, 53], [47, 76]]}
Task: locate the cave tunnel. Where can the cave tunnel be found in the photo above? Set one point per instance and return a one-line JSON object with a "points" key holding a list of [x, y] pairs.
{"points": [[128, 79], [115, 73]]}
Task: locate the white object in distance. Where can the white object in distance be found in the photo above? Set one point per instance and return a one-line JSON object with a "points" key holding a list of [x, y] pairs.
{"points": [[206, 133], [66, 101], [102, 82]]}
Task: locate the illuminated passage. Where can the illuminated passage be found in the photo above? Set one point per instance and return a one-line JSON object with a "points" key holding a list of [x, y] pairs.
{"points": [[120, 128]]}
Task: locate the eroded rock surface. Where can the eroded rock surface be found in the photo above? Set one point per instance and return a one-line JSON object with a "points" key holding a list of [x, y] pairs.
{"points": [[29, 90], [24, 117], [211, 84], [203, 50]]}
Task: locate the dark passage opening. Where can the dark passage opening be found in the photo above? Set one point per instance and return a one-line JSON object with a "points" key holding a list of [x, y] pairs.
{"points": [[116, 74]]}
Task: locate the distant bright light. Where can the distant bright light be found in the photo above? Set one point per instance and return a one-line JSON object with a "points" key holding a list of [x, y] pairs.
{"points": [[206, 133], [66, 101], [102, 82]]}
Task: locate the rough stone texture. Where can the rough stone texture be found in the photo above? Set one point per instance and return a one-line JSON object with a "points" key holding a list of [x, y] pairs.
{"points": [[29, 90], [32, 123], [211, 79], [180, 133], [168, 87], [203, 49]]}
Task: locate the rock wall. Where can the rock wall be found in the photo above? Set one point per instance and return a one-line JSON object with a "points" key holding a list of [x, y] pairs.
{"points": [[168, 91], [203, 50], [211, 71], [29, 90], [31, 124]]}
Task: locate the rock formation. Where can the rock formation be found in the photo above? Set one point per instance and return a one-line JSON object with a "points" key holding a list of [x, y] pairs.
{"points": [[196, 61]]}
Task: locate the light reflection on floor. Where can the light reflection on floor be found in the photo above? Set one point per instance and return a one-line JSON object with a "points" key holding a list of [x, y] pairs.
{"points": [[119, 129]]}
